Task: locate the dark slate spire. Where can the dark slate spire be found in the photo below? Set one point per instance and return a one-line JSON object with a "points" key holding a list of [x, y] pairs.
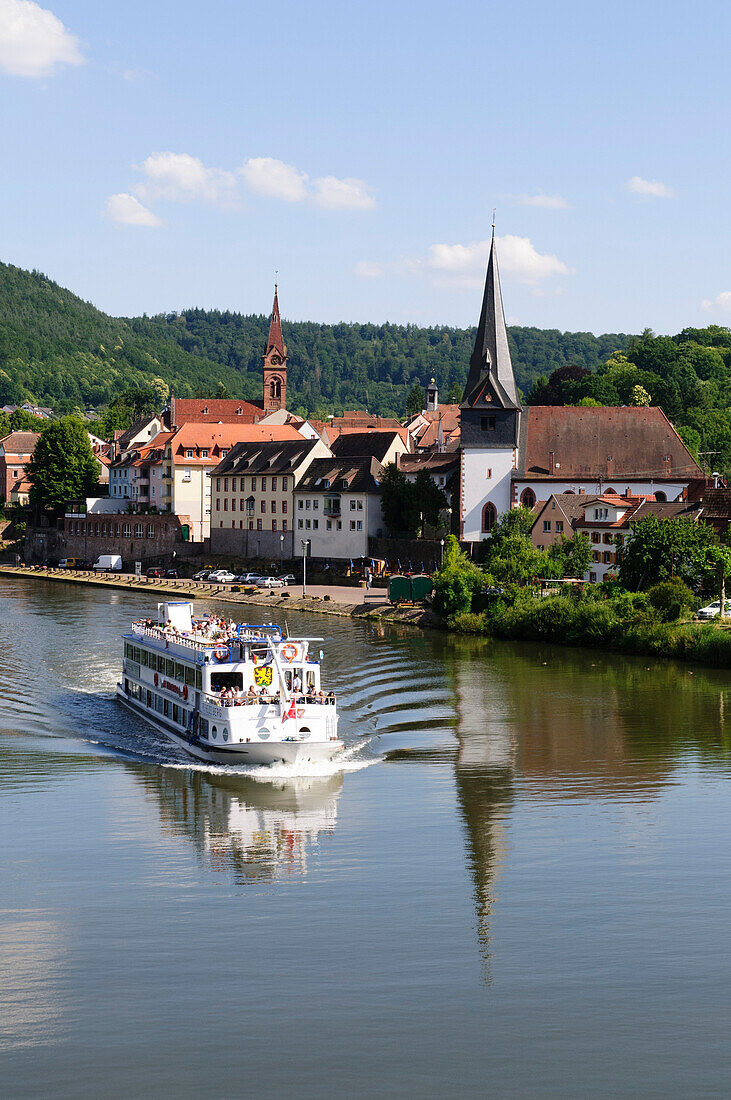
{"points": [[491, 382]]}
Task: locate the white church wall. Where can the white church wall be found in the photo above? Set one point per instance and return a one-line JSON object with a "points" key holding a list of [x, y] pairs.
{"points": [[486, 477]]}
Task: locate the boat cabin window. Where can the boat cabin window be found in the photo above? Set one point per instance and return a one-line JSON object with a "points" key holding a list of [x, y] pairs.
{"points": [[160, 664], [179, 671], [170, 668], [190, 675], [310, 679], [220, 680]]}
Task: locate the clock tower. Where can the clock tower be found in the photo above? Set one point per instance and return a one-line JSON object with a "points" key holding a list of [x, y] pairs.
{"points": [[275, 364]]}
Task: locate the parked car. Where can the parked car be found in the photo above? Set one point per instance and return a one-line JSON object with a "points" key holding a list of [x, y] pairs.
{"points": [[221, 576], [270, 582], [69, 563], [712, 610], [289, 578], [172, 574], [154, 571], [249, 578]]}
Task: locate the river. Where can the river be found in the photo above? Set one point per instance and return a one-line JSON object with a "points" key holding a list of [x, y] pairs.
{"points": [[518, 884]]}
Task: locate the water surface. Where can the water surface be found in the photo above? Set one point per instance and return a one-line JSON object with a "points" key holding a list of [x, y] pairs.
{"points": [[517, 884]]}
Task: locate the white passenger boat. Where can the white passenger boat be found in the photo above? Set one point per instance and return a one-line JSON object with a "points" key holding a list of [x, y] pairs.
{"points": [[228, 693]]}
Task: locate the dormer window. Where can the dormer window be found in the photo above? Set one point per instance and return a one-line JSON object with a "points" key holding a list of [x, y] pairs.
{"points": [[239, 411], [189, 452], [205, 410]]}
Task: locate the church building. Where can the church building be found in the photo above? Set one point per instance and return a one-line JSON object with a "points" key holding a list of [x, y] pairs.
{"points": [[512, 455]]}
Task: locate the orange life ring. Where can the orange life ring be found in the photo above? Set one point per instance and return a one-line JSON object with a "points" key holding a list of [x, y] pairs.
{"points": [[185, 691], [289, 652], [222, 653], [155, 679]]}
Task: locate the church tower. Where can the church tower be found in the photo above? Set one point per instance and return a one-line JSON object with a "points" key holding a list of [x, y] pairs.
{"points": [[490, 417], [275, 364]]}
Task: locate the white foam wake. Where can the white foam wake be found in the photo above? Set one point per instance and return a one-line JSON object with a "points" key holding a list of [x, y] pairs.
{"points": [[346, 761]]}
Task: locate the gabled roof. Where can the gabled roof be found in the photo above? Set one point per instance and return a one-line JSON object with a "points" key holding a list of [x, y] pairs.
{"points": [[363, 475], [217, 437], [126, 438], [19, 443], [435, 462], [278, 457], [491, 382], [212, 410], [563, 443], [717, 504], [365, 444]]}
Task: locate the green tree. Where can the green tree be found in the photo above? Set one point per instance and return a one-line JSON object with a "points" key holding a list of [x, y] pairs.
{"points": [[414, 400], [640, 396], [62, 466], [574, 555], [456, 581], [661, 549], [429, 499], [454, 397], [401, 512]]}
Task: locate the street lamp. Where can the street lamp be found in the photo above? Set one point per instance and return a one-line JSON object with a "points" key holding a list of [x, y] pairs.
{"points": [[441, 560], [305, 544], [281, 548]]}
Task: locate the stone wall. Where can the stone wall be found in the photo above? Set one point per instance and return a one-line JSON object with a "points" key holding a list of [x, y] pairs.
{"points": [[233, 542], [426, 553], [146, 538]]}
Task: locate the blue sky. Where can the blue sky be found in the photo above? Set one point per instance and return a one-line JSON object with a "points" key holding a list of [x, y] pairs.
{"points": [[165, 154]]}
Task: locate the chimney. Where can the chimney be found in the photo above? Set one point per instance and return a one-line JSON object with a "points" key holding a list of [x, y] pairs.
{"points": [[551, 462]]}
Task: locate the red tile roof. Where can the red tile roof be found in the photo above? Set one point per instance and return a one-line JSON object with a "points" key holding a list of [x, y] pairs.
{"points": [[608, 442], [217, 437], [202, 410]]}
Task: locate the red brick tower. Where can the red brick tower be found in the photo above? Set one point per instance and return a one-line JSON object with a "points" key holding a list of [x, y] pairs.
{"points": [[275, 363]]}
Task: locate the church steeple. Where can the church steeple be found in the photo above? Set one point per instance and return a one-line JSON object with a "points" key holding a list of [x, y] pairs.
{"points": [[275, 363], [491, 382]]}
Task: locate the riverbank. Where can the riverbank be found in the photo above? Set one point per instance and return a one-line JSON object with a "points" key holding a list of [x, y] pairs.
{"points": [[624, 625], [321, 600]]}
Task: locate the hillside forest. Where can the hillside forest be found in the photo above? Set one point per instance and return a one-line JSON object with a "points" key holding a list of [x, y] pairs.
{"points": [[58, 350]]}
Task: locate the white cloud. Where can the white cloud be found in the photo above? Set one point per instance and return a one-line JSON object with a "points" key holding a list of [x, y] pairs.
{"points": [[127, 210], [267, 176], [33, 41], [546, 202], [346, 194], [368, 269], [517, 256], [649, 189], [179, 177], [722, 301]]}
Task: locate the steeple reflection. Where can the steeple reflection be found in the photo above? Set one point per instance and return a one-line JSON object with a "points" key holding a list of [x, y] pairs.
{"points": [[255, 831]]}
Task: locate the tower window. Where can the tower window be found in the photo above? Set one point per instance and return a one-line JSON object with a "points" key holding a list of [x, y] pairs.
{"points": [[489, 517], [487, 423]]}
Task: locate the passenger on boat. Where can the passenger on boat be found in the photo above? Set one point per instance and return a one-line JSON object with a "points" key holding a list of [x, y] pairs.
{"points": [[296, 684]]}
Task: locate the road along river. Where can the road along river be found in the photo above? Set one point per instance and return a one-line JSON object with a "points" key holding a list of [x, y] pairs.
{"points": [[516, 882]]}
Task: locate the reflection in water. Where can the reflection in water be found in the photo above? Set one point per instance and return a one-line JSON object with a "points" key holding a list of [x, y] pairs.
{"points": [[256, 831], [564, 725]]}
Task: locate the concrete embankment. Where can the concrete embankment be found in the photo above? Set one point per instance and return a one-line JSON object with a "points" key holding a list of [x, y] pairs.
{"points": [[320, 600]]}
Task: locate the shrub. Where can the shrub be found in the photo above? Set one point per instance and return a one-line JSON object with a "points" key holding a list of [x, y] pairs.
{"points": [[671, 598]]}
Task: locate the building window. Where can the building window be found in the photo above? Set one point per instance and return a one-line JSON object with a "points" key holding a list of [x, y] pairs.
{"points": [[263, 484], [352, 525], [308, 504], [126, 530], [233, 505], [609, 538], [489, 517], [559, 526], [284, 484], [274, 525], [300, 504], [189, 453], [263, 506], [225, 485], [352, 505], [253, 484], [329, 525], [360, 524], [104, 529], [150, 530], [274, 485], [596, 556], [660, 495], [596, 536], [218, 485], [299, 524], [546, 525], [607, 558], [139, 530], [284, 507], [315, 524], [360, 505], [258, 525], [284, 525], [251, 525], [272, 506], [96, 528], [225, 504], [487, 423], [592, 578], [528, 498], [205, 453], [233, 484], [340, 525], [308, 524], [218, 504]]}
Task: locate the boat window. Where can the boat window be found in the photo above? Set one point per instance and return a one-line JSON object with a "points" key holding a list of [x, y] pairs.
{"points": [[179, 671], [166, 707], [170, 668], [199, 678], [221, 680], [310, 679], [137, 654], [214, 732], [190, 675], [158, 703], [203, 727], [160, 664], [143, 656], [225, 735]]}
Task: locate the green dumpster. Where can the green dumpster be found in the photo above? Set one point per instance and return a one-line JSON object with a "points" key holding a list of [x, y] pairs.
{"points": [[399, 589]]}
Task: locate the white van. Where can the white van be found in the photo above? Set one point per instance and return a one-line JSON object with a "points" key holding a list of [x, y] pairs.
{"points": [[108, 563]]}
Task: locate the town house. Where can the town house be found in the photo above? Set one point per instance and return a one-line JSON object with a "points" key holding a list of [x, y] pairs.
{"points": [[338, 507]]}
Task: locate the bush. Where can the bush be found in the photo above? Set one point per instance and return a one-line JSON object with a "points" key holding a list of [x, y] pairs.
{"points": [[670, 599], [455, 582]]}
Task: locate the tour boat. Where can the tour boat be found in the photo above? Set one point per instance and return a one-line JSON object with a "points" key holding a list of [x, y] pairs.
{"points": [[228, 693]]}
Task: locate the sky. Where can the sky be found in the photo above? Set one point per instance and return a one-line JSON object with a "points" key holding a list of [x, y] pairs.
{"points": [[160, 155]]}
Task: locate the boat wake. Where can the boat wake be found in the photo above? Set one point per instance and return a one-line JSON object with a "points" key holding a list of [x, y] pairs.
{"points": [[349, 760]]}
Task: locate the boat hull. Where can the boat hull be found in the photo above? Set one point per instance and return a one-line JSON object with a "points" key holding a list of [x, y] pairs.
{"points": [[252, 753]]}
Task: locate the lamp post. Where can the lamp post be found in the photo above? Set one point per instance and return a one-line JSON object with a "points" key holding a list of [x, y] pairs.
{"points": [[441, 560], [449, 521], [281, 549], [305, 543]]}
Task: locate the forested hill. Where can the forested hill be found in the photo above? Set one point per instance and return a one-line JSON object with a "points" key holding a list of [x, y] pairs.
{"points": [[58, 350]]}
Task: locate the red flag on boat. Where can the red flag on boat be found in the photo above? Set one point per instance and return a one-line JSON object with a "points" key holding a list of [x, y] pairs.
{"points": [[292, 712]]}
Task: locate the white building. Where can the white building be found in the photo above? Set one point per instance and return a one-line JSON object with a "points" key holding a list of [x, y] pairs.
{"points": [[337, 506]]}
